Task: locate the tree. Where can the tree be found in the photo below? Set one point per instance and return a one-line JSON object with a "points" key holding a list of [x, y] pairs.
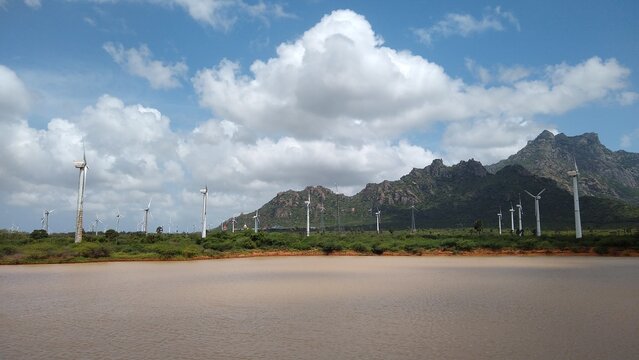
{"points": [[159, 230], [39, 234], [478, 226]]}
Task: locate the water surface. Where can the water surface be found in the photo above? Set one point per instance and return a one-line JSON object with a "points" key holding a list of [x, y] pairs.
{"points": [[324, 308]]}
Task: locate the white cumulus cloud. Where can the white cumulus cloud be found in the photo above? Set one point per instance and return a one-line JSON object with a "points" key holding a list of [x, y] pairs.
{"points": [[139, 62], [466, 25]]}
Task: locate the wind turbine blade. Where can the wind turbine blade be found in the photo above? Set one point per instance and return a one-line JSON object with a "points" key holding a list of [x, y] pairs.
{"points": [[526, 191], [149, 206], [544, 189]]}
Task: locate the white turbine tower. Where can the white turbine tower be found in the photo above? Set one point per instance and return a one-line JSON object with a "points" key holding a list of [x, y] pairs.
{"points": [[412, 218], [82, 165], [499, 215], [117, 220], [574, 174], [377, 216], [146, 217], [45, 219], [512, 218], [308, 215], [520, 229], [205, 197], [233, 222], [256, 218], [97, 221], [537, 198]]}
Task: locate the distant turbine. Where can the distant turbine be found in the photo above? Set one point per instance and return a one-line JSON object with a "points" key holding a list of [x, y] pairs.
{"points": [[308, 215], [45, 219], [537, 198], [499, 215], [82, 165], [117, 220], [233, 222], [97, 220], [512, 218], [377, 216], [256, 217], [146, 217], [519, 210], [412, 218], [339, 224], [574, 174], [170, 223], [321, 207], [205, 197]]}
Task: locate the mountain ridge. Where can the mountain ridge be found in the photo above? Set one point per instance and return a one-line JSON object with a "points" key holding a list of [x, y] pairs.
{"points": [[458, 195]]}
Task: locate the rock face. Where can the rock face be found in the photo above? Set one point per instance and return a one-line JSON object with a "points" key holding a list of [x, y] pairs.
{"points": [[452, 196], [603, 173]]}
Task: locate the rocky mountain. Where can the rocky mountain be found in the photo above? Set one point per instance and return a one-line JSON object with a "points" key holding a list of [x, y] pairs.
{"points": [[603, 173], [442, 196]]}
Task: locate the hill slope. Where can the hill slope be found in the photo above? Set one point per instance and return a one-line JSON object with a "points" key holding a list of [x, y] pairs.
{"points": [[443, 196], [604, 173]]}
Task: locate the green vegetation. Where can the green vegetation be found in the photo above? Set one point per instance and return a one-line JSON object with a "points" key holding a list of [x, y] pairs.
{"points": [[23, 248]]}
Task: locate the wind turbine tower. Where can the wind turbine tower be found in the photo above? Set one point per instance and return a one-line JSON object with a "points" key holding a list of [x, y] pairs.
{"points": [[499, 215], [205, 197], [537, 198], [412, 218], [512, 218], [256, 218], [377, 215], [308, 215], [45, 219], [146, 217], [82, 165], [97, 221], [233, 222], [574, 174], [117, 220], [519, 210]]}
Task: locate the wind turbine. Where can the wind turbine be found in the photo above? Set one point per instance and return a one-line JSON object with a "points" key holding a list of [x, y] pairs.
{"points": [[205, 197], [499, 215], [412, 218], [256, 218], [233, 222], [45, 219], [308, 215], [97, 220], [512, 218], [82, 165], [537, 197], [321, 207], [339, 224], [377, 216], [146, 217], [520, 229], [574, 174], [117, 220]]}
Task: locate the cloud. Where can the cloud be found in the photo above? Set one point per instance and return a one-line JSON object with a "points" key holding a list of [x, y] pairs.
{"points": [[466, 25], [338, 82], [489, 140], [629, 139], [139, 62], [34, 4], [478, 71], [14, 96]]}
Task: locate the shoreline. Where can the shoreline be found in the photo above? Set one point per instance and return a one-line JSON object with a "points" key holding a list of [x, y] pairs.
{"points": [[346, 253]]}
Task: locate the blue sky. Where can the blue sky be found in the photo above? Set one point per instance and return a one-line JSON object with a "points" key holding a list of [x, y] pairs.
{"points": [[254, 98]]}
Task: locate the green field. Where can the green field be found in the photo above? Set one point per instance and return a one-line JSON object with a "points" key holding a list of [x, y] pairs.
{"points": [[37, 247]]}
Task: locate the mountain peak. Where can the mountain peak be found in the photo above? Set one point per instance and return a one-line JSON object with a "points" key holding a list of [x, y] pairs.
{"points": [[546, 135]]}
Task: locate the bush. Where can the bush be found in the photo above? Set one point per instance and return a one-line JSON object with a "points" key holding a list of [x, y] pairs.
{"points": [[331, 247], [465, 245], [360, 248], [38, 234], [378, 249], [92, 250], [111, 234]]}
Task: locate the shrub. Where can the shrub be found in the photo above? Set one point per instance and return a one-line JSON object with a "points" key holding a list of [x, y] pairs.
{"points": [[465, 245], [92, 250], [360, 248], [38, 234], [331, 247], [378, 249]]}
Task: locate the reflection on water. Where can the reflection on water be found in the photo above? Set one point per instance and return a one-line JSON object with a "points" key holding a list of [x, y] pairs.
{"points": [[323, 308]]}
